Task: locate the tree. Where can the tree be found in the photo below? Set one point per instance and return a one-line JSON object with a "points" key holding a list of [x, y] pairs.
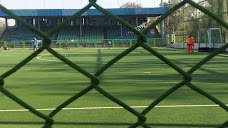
{"points": [[189, 20], [131, 5], [186, 19], [2, 25], [174, 22]]}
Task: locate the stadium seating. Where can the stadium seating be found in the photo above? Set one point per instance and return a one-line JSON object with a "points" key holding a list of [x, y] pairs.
{"points": [[72, 34], [114, 32], [88, 34], [18, 33]]}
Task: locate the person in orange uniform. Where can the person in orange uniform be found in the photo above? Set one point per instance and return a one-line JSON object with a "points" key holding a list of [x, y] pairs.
{"points": [[190, 44]]}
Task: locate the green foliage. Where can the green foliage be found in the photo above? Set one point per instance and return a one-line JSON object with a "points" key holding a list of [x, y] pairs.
{"points": [[189, 20], [174, 23], [131, 5]]}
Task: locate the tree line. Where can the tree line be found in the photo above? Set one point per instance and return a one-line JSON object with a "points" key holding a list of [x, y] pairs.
{"points": [[188, 19]]}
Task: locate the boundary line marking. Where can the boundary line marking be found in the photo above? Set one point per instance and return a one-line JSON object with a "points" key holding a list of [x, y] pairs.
{"points": [[40, 57], [95, 108]]}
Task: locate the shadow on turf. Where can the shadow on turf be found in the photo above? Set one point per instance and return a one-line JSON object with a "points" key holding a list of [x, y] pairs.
{"points": [[77, 124]]}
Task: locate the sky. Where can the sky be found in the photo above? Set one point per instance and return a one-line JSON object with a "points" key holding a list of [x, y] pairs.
{"points": [[72, 4]]}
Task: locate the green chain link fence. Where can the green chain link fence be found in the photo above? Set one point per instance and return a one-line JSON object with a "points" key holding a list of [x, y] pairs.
{"points": [[94, 78], [102, 43]]}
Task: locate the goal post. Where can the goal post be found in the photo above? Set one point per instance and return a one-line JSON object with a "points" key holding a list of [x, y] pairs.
{"points": [[209, 39], [215, 38]]}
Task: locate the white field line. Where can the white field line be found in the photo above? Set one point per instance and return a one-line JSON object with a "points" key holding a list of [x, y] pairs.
{"points": [[41, 57], [95, 108]]}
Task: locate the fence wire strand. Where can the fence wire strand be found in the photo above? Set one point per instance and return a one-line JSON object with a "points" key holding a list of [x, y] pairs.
{"points": [[95, 78]]}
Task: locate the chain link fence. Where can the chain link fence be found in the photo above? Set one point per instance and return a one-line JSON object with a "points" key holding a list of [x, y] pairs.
{"points": [[92, 43], [95, 78]]}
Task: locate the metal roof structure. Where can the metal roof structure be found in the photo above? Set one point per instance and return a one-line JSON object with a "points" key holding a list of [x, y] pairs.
{"points": [[91, 12]]}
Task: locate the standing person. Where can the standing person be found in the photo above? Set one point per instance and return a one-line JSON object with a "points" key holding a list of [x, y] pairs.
{"points": [[109, 44], [35, 44], [190, 44]]}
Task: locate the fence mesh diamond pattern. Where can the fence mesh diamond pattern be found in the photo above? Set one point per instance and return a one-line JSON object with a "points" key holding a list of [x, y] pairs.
{"points": [[95, 78]]}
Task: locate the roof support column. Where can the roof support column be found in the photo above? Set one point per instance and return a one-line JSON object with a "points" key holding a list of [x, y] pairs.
{"points": [[81, 19], [137, 21], [121, 30], [6, 22]]}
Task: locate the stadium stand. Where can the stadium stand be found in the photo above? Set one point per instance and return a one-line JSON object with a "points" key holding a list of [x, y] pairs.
{"points": [[72, 33], [91, 27]]}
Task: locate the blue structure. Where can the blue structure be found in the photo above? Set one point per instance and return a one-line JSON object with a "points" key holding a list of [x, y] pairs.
{"points": [[152, 12], [91, 25]]}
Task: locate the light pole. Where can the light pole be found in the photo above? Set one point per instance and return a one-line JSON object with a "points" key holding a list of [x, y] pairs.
{"points": [[162, 23]]}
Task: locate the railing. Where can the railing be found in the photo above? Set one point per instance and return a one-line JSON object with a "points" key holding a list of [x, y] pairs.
{"points": [[92, 43]]}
